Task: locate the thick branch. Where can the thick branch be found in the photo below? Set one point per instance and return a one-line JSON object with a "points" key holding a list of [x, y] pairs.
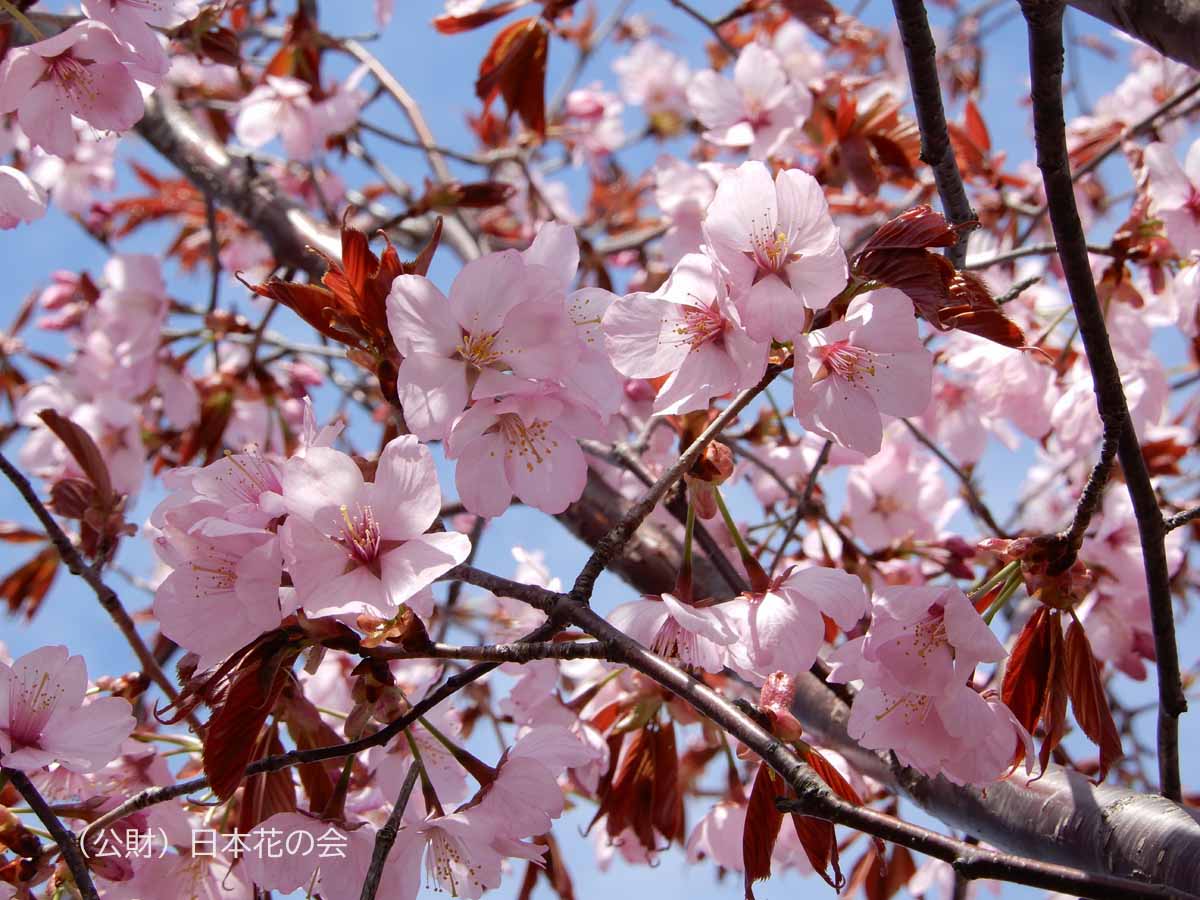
{"points": [[1172, 27], [921, 54], [1044, 18]]}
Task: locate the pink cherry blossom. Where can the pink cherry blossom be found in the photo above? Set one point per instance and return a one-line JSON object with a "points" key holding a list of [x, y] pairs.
{"points": [[353, 545], [133, 21], [781, 630], [689, 330], [21, 200], [521, 443], [898, 494], [501, 312], [78, 72], [224, 589], [283, 108], [73, 181], [654, 78], [915, 664], [683, 192], [673, 629], [778, 237], [758, 109], [1175, 193], [869, 364], [44, 719]]}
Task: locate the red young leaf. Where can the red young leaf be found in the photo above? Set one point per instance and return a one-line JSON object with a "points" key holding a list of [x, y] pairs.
{"points": [[25, 587], [84, 451], [448, 24], [269, 793], [914, 229], [971, 308], [839, 785], [1025, 678], [820, 845], [232, 731], [515, 68], [763, 821], [975, 127], [1088, 699], [1054, 704]]}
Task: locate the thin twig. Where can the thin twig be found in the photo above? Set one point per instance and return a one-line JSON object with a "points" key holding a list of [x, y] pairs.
{"points": [[612, 543], [1044, 19], [936, 151], [63, 836], [707, 23], [517, 652], [106, 595], [802, 506], [974, 501], [1044, 249], [1180, 519], [1093, 493], [595, 40], [386, 836]]}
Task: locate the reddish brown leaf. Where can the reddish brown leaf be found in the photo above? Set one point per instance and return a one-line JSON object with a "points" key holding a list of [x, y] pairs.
{"points": [[25, 587], [232, 731], [457, 24], [515, 68], [820, 845], [1028, 670], [308, 731], [667, 805], [14, 533], [84, 450], [975, 127], [269, 793], [831, 776], [1088, 698], [763, 821], [1054, 703], [971, 308], [914, 229]]}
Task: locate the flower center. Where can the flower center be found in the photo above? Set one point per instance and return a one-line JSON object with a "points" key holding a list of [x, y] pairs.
{"points": [[73, 76], [448, 863], [913, 707], [701, 324], [361, 535], [32, 698], [478, 349], [772, 248], [1192, 204], [843, 359], [528, 441]]}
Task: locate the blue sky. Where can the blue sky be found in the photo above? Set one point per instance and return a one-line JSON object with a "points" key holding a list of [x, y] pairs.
{"points": [[439, 71]]}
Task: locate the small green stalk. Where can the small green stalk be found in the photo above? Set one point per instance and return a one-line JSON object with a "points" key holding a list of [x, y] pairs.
{"points": [[733, 529], [683, 584], [1010, 587], [22, 19], [1002, 575]]}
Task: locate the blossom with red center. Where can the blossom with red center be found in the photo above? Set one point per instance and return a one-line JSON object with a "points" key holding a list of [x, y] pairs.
{"points": [[356, 546], [80, 72], [871, 363], [44, 720], [521, 442], [688, 330], [758, 109], [777, 237], [502, 314], [695, 637]]}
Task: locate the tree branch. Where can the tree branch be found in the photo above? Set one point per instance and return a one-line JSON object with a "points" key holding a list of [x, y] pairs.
{"points": [[386, 836], [108, 598], [64, 837], [920, 52], [1172, 27], [1044, 19]]}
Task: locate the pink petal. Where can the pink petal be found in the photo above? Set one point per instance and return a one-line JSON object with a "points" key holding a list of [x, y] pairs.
{"points": [[640, 336], [419, 317], [550, 477], [406, 496], [417, 563], [481, 478]]}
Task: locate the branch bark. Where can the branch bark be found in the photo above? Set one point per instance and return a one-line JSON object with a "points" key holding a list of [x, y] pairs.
{"points": [[1044, 18], [920, 52], [1172, 27], [64, 837]]}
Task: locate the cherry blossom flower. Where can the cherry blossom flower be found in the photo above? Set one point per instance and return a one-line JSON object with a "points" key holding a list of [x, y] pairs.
{"points": [[353, 545], [683, 192], [44, 719], [283, 108], [898, 494], [870, 363], [72, 181], [522, 443], [21, 200], [758, 109], [654, 78], [591, 124], [675, 630], [224, 589], [134, 21], [336, 876], [1175, 193], [688, 330], [781, 630], [78, 72], [501, 312], [915, 664], [778, 237]]}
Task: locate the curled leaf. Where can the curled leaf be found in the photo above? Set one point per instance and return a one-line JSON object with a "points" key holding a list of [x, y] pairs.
{"points": [[1088, 698], [515, 68]]}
